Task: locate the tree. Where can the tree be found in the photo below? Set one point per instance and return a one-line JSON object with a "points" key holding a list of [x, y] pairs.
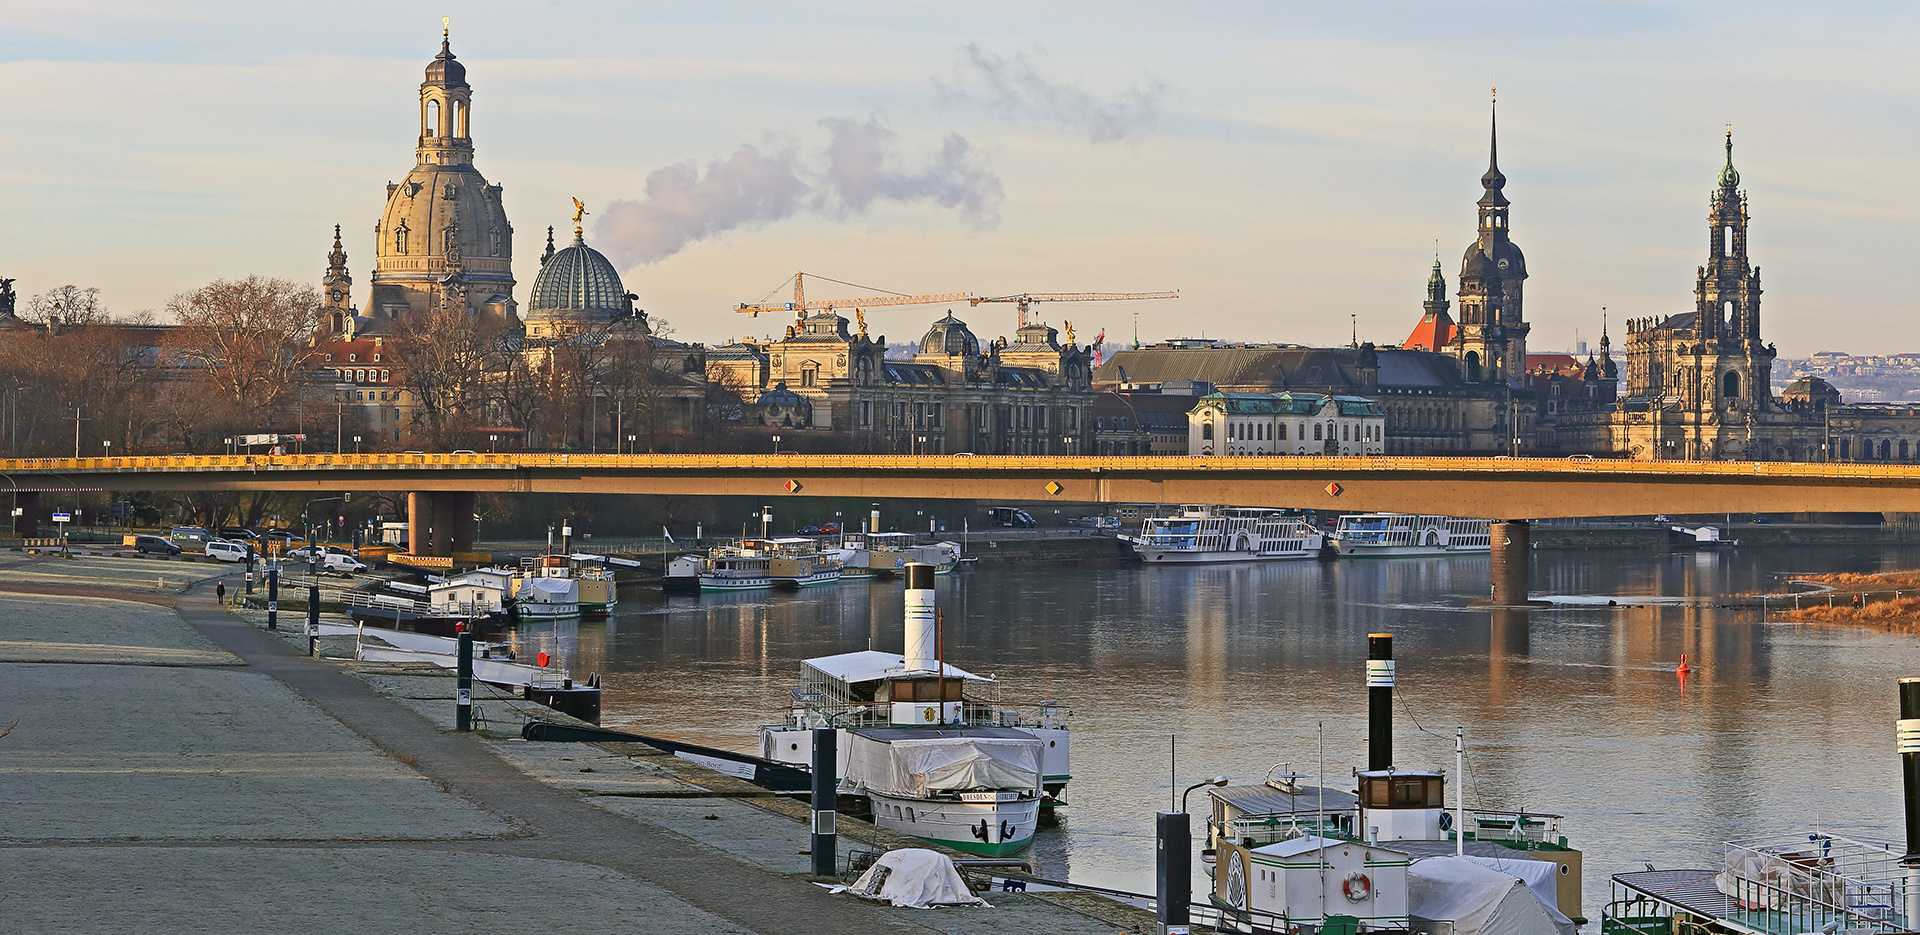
{"points": [[252, 339], [446, 356], [64, 307]]}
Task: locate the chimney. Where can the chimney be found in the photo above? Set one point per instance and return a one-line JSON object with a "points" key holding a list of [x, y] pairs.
{"points": [[1908, 744], [920, 620], [1380, 705]]}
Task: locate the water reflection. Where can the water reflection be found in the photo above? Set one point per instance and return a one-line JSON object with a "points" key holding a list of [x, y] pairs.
{"points": [[1571, 709]]}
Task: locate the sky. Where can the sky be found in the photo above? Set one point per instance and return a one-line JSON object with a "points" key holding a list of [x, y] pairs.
{"points": [[1289, 168]]}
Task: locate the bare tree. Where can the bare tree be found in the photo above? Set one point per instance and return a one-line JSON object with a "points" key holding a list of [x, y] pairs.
{"points": [[447, 355], [64, 307], [251, 338]]}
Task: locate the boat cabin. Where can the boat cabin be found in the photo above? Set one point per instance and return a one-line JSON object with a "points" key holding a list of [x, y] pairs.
{"points": [[1277, 810], [1402, 805], [1312, 883], [872, 689]]}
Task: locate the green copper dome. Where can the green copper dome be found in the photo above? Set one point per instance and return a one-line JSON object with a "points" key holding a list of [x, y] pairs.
{"points": [[577, 279]]}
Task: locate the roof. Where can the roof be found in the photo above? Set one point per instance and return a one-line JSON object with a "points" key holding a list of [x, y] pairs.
{"points": [[1030, 377], [1308, 844], [1266, 800], [1404, 369], [890, 734], [1558, 363], [872, 665], [914, 374], [949, 336], [1262, 404], [1434, 332], [1358, 406], [443, 71], [577, 279]]}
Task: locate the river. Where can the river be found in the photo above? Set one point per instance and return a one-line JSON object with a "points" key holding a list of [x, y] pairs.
{"points": [[1574, 710]]}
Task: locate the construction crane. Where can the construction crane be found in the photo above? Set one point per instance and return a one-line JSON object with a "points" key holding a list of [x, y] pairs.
{"points": [[1025, 301], [800, 306]]}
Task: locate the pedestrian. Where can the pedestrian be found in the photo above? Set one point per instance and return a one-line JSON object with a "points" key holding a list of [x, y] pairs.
{"points": [[220, 593]]}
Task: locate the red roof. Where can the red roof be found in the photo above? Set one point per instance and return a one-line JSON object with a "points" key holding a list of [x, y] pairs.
{"points": [[1433, 333], [1564, 364]]}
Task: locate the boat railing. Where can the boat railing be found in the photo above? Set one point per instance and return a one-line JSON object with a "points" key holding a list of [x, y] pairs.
{"points": [[808, 711], [1817, 880], [1261, 830], [1513, 825], [386, 602]]}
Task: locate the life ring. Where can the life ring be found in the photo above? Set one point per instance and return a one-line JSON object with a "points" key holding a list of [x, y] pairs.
{"points": [[1357, 888]]}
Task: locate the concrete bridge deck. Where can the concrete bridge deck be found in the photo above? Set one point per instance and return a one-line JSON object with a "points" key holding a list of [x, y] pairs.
{"points": [[1496, 488]]}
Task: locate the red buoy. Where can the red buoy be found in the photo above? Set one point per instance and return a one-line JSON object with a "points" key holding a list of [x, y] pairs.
{"points": [[1683, 670], [542, 660]]}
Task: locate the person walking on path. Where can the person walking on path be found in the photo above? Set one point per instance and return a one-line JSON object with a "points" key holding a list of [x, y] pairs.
{"points": [[220, 593]]}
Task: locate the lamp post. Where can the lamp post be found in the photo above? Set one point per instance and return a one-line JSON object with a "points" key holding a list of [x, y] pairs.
{"points": [[356, 444], [106, 447], [493, 443], [229, 446], [776, 444], [630, 440], [1215, 781]]}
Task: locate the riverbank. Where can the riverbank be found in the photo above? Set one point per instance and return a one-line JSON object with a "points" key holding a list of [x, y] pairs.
{"points": [[180, 769]]}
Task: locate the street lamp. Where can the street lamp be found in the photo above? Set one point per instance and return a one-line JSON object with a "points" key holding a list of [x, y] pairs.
{"points": [[493, 443], [776, 444], [229, 446], [356, 444], [630, 439], [1215, 781], [106, 447]]}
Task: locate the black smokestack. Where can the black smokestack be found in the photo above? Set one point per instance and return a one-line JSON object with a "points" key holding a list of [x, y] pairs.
{"points": [[1380, 706], [1909, 747]]}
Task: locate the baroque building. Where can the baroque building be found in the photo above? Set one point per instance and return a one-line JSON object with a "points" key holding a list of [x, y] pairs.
{"points": [[443, 240]]}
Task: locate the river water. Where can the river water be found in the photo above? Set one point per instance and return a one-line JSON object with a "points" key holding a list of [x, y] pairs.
{"points": [[1574, 710]]}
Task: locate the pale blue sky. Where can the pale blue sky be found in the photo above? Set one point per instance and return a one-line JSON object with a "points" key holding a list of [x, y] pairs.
{"points": [[1283, 166]]}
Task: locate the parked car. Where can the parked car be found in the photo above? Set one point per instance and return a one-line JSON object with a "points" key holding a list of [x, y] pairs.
{"points": [[190, 537], [308, 552], [154, 544], [227, 550], [1011, 517], [831, 529], [342, 564], [810, 530]]}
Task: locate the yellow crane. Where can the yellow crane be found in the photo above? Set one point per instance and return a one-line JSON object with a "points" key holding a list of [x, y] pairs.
{"points": [[1024, 301], [800, 306]]}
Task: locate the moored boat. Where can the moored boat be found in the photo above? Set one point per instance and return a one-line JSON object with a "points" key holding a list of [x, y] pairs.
{"points": [[799, 563], [1206, 535], [1396, 535], [742, 567]]}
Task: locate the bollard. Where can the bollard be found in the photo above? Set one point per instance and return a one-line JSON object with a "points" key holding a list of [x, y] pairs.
{"points": [[826, 780], [463, 686], [249, 574], [273, 598], [313, 620], [1172, 868]]}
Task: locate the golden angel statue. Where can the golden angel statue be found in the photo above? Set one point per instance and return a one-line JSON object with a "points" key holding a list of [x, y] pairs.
{"points": [[861, 317], [1069, 326], [579, 211]]}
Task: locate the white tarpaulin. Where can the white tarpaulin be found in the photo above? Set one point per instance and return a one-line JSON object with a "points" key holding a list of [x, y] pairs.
{"points": [[1760, 879], [1477, 900], [1542, 877], [898, 763], [915, 878]]}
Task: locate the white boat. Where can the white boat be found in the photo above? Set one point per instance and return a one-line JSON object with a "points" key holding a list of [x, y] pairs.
{"points": [[547, 598], [912, 694], [1207, 535], [974, 789], [1392, 535], [885, 554], [799, 563], [743, 567]]}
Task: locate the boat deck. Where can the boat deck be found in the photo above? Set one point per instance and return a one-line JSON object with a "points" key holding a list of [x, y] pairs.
{"points": [[1639, 911]]}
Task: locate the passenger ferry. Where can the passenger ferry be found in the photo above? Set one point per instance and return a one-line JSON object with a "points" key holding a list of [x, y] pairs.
{"points": [[884, 554], [799, 563], [743, 567], [1201, 534], [1392, 535]]}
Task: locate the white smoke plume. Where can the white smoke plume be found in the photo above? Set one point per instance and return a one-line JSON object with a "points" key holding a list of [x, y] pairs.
{"points": [[754, 187], [1015, 87]]}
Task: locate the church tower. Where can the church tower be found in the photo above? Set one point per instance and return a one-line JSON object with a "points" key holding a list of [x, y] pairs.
{"points": [[443, 240], [336, 288], [1727, 301], [1492, 340]]}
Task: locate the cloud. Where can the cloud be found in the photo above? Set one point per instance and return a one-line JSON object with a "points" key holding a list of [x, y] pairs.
{"points": [[1016, 88], [756, 186]]}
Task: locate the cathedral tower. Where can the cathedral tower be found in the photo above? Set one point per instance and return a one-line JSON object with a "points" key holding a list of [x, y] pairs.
{"points": [[443, 239], [1727, 300], [1491, 344]]}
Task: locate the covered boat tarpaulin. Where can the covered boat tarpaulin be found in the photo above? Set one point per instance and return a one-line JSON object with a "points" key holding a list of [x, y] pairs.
{"points": [[915, 878], [917, 762], [1475, 900], [1542, 877], [1760, 878]]}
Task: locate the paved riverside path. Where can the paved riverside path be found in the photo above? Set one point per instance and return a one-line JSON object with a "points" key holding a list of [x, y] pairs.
{"points": [[192, 773]]}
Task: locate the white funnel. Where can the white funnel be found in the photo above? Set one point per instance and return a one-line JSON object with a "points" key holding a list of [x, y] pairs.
{"points": [[920, 647]]}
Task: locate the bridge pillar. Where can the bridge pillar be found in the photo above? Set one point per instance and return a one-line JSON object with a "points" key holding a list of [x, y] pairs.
{"points": [[1512, 560], [441, 510], [27, 524], [419, 517], [457, 507]]}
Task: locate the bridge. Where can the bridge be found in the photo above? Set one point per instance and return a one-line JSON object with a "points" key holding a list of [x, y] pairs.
{"points": [[1507, 490]]}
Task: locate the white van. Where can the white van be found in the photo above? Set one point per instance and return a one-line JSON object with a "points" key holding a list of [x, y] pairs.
{"points": [[227, 551], [343, 564]]}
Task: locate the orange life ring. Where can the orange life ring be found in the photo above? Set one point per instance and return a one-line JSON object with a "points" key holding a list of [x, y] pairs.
{"points": [[1357, 887]]}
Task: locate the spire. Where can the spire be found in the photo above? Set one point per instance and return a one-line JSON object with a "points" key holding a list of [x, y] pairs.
{"points": [[544, 257], [338, 258], [1436, 284], [1493, 181], [1729, 177]]}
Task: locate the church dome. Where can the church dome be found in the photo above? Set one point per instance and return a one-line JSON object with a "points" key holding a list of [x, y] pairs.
{"points": [[444, 71], [949, 337], [577, 280]]}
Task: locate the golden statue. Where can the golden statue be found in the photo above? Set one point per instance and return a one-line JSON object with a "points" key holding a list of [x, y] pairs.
{"points": [[861, 317], [1069, 326], [579, 211]]}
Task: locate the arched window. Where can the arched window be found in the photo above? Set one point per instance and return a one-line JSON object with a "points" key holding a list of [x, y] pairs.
{"points": [[1903, 449], [1730, 385], [1206, 431], [1886, 450], [1316, 431], [1846, 446], [1473, 366], [1283, 431], [339, 321], [431, 125], [400, 238]]}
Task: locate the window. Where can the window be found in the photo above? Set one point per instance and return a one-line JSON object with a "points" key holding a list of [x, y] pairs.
{"points": [[1206, 431], [1346, 433], [400, 240], [1730, 385], [384, 373], [1283, 431], [1316, 431], [866, 412]]}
